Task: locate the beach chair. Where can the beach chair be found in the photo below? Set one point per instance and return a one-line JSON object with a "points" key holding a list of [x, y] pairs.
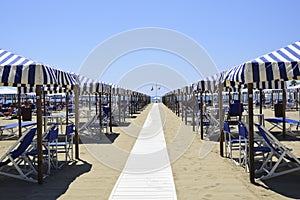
{"points": [[49, 153], [277, 122], [285, 161], [234, 112], [65, 143], [235, 141], [15, 163], [88, 125]]}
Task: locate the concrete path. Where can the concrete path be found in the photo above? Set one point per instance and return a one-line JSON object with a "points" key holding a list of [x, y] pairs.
{"points": [[147, 173]]}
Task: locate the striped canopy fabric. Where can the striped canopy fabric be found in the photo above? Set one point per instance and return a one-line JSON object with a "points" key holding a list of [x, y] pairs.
{"points": [[47, 89], [210, 84], [16, 70], [275, 84], [89, 86], [282, 64]]}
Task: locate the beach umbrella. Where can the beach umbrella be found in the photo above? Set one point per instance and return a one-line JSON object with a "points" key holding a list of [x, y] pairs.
{"points": [[19, 71], [282, 64]]}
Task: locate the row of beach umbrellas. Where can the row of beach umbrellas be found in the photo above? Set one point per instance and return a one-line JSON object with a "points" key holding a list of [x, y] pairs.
{"points": [[270, 71]]}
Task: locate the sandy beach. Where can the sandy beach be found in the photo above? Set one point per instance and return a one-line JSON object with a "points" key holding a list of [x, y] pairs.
{"points": [[195, 176]]}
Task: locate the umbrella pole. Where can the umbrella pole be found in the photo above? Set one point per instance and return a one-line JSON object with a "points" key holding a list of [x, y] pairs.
{"points": [[251, 132], [100, 114], [260, 105], [19, 112], [283, 110], [76, 92], [110, 110], [201, 114], [221, 120], [39, 132]]}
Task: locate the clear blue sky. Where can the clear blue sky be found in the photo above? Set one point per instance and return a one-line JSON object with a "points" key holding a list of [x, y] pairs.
{"points": [[63, 33]]}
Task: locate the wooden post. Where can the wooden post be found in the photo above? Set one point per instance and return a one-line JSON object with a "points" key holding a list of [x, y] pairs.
{"points": [[45, 111], [194, 107], [182, 111], [186, 109], [100, 114], [96, 103], [201, 115], [76, 93], [125, 106], [110, 110], [260, 105], [119, 104], [67, 106], [39, 132], [283, 110], [19, 112], [251, 133], [221, 119]]}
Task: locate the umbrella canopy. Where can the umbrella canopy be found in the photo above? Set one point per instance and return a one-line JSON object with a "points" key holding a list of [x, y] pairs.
{"points": [[282, 64], [16, 70]]}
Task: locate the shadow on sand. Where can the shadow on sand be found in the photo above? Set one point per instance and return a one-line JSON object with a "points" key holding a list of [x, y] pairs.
{"points": [[107, 138], [286, 185], [53, 187]]}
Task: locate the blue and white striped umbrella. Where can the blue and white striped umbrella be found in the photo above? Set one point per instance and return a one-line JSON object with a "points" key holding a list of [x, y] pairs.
{"points": [[16, 70], [282, 64], [89, 86], [210, 83]]}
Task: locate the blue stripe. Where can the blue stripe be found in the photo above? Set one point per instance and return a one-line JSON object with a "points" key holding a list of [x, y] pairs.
{"points": [[255, 70], [282, 70], [295, 68], [274, 57], [269, 71], [15, 60], [3, 53], [284, 55], [5, 59], [18, 75], [31, 74], [5, 74], [293, 52]]}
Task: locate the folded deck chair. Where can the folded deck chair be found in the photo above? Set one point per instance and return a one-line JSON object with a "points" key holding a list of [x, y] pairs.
{"points": [[233, 141], [286, 161], [65, 143], [87, 126], [15, 163], [49, 153]]}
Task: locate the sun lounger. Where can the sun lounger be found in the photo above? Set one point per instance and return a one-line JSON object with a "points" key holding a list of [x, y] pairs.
{"points": [[15, 163], [278, 121], [65, 143], [49, 153], [284, 157], [10, 128]]}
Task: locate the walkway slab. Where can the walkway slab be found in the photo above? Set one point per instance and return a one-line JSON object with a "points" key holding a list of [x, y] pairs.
{"points": [[147, 173]]}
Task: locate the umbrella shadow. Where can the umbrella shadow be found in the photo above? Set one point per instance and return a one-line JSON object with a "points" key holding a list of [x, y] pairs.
{"points": [[286, 185], [53, 187], [107, 138]]}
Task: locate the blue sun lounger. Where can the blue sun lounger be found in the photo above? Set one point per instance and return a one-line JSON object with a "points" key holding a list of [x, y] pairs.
{"points": [[277, 123], [10, 127], [279, 155], [15, 163]]}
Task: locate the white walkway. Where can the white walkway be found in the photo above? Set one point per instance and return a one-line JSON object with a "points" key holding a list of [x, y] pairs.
{"points": [[147, 173]]}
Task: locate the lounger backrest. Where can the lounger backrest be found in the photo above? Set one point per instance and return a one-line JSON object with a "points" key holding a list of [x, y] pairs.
{"points": [[279, 147], [24, 143], [53, 134], [265, 137], [69, 129], [226, 127], [243, 132]]}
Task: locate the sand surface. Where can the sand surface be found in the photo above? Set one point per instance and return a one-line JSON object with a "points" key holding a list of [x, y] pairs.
{"points": [[196, 175]]}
